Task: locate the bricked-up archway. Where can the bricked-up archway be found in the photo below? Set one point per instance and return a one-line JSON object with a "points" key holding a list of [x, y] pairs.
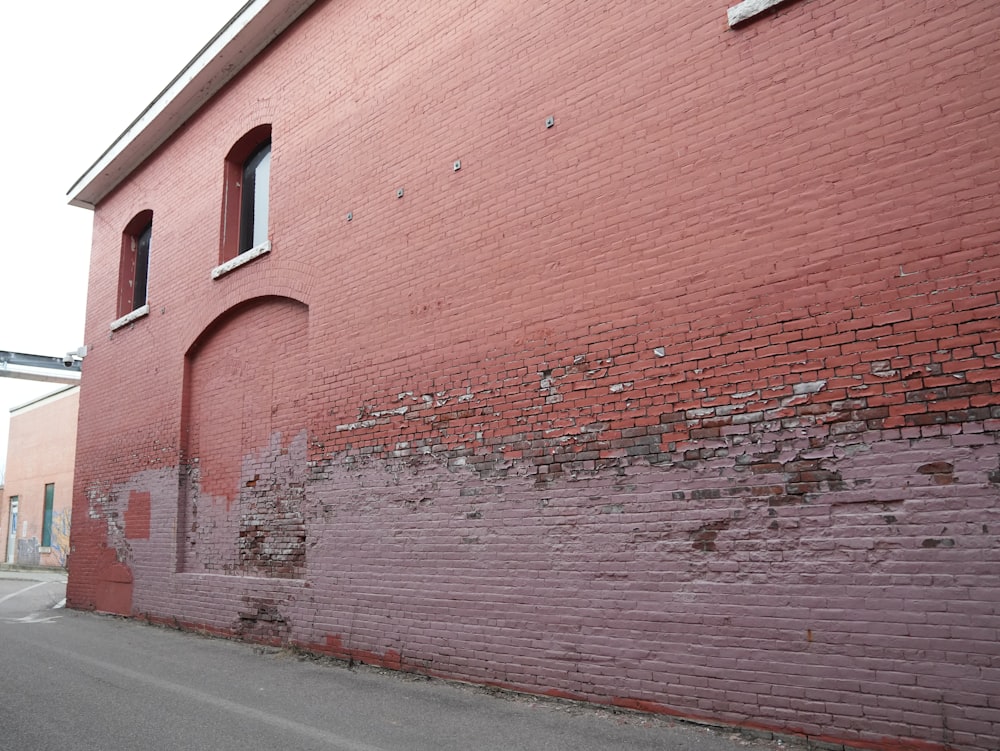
{"points": [[244, 430]]}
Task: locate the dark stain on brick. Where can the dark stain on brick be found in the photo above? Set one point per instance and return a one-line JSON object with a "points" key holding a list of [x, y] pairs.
{"points": [[926, 395], [706, 494], [765, 491], [802, 477], [927, 418], [703, 538], [810, 476], [936, 468], [784, 500], [260, 619], [938, 542], [415, 503], [941, 472]]}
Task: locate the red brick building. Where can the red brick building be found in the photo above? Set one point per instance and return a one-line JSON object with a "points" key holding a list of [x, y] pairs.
{"points": [[600, 350]]}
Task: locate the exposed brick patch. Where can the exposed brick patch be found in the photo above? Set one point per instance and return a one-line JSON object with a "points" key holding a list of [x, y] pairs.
{"points": [[263, 532], [260, 620], [940, 472], [703, 538], [994, 477], [272, 531]]}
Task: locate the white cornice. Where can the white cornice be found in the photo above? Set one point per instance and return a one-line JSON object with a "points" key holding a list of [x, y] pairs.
{"points": [[253, 28], [744, 11], [43, 400]]}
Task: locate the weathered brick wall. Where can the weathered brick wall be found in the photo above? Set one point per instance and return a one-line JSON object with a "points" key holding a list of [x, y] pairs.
{"points": [[687, 403]]}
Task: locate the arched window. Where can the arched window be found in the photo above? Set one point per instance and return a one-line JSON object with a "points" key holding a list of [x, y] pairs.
{"points": [[133, 270], [253, 198], [246, 198]]}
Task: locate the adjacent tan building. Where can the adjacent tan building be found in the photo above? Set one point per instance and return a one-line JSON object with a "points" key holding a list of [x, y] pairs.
{"points": [[39, 480]]}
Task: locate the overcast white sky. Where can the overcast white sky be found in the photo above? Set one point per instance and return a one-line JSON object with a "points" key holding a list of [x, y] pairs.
{"points": [[76, 75]]}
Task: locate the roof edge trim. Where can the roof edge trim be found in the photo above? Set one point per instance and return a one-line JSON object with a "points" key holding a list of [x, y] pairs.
{"points": [[246, 35], [52, 396]]}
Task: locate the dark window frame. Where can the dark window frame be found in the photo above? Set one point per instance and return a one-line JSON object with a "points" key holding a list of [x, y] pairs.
{"points": [[242, 194], [254, 195], [133, 275], [50, 497], [12, 520]]}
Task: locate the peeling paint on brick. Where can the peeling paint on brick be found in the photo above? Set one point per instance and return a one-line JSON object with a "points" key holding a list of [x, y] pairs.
{"points": [[642, 414]]}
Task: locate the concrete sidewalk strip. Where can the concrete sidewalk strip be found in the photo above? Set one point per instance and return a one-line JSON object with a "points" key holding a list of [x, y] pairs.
{"points": [[377, 709], [121, 680], [32, 573]]}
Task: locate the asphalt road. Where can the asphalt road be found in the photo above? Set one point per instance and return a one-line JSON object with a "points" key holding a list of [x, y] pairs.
{"points": [[72, 681]]}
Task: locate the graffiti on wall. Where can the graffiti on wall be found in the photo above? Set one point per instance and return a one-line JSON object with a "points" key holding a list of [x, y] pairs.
{"points": [[60, 536], [27, 551]]}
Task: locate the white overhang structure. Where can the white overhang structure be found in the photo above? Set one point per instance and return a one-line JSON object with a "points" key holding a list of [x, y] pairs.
{"points": [[254, 27], [42, 367]]}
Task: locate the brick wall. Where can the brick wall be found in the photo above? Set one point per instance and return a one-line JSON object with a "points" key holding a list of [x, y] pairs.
{"points": [[686, 403], [40, 452]]}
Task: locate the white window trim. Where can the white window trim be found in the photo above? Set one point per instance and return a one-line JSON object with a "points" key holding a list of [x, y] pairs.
{"points": [[135, 315], [243, 258], [748, 9]]}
